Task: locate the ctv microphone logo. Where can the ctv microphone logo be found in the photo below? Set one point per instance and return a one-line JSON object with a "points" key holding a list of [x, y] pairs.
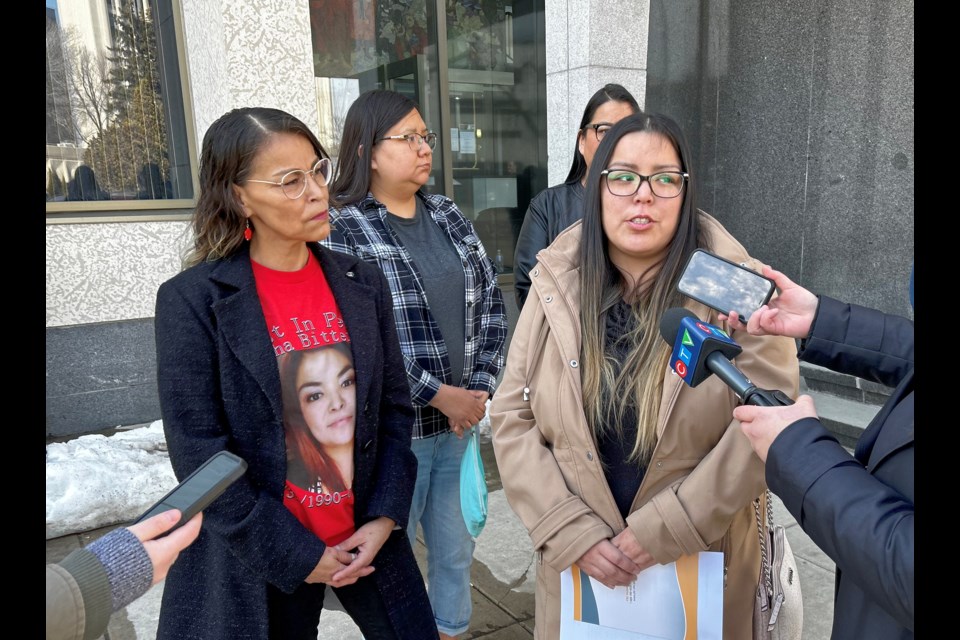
{"points": [[683, 352], [695, 341]]}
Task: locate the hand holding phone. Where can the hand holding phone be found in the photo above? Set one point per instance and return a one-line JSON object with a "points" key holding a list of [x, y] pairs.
{"points": [[790, 314], [164, 545], [723, 285], [200, 488]]}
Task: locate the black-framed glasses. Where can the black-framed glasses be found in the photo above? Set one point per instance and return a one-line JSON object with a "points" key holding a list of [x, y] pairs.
{"points": [[294, 183], [623, 182], [415, 140], [599, 129]]}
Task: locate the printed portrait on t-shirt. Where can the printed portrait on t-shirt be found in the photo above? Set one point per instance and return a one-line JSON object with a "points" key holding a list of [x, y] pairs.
{"points": [[319, 410], [319, 419], [318, 385]]}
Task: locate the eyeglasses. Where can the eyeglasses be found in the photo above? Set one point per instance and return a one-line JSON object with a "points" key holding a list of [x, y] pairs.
{"points": [[666, 184], [599, 128], [415, 140], [294, 183]]}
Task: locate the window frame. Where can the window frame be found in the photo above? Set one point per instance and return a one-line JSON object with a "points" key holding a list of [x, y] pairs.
{"points": [[175, 209]]}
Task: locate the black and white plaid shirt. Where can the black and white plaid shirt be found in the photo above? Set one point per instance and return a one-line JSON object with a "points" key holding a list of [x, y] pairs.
{"points": [[362, 230]]}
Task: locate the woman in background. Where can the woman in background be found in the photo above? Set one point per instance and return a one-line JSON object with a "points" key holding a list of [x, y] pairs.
{"points": [[84, 186], [448, 310], [556, 208]]}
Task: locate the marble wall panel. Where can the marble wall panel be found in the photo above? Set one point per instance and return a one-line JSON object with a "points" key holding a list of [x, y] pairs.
{"points": [[105, 272], [599, 42], [800, 116], [100, 376]]}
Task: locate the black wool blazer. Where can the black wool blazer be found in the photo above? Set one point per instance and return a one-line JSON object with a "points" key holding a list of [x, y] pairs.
{"points": [[219, 388]]}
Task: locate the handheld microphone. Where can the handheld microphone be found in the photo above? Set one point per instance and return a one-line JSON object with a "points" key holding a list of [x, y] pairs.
{"points": [[701, 349]]}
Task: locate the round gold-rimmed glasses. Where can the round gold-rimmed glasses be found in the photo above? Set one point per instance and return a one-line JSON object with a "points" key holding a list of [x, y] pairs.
{"points": [[294, 183]]}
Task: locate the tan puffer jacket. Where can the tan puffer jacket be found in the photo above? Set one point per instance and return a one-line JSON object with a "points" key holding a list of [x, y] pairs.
{"points": [[698, 490]]}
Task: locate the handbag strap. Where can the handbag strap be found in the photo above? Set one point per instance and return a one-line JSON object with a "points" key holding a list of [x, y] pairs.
{"points": [[765, 568], [769, 499]]}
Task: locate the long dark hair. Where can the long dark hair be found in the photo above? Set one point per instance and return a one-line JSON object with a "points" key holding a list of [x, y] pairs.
{"points": [[639, 375], [369, 118], [608, 92], [230, 146], [300, 442]]}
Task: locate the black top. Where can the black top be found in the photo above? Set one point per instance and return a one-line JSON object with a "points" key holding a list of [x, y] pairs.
{"points": [[550, 212], [623, 475]]}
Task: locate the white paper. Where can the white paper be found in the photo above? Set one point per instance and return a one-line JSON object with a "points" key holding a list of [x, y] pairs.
{"points": [[661, 604], [468, 141]]}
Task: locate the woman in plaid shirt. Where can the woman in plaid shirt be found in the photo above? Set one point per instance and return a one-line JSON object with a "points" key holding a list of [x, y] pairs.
{"points": [[449, 312]]}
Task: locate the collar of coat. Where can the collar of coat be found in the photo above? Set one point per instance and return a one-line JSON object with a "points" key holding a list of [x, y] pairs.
{"points": [[556, 278]]}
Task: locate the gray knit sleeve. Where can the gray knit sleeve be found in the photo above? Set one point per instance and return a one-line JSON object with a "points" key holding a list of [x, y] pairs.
{"points": [[128, 566]]}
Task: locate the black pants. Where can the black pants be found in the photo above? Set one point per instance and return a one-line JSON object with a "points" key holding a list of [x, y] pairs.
{"points": [[296, 615]]}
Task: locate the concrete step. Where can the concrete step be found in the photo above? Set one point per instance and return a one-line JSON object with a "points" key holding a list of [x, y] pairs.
{"points": [[846, 404]]}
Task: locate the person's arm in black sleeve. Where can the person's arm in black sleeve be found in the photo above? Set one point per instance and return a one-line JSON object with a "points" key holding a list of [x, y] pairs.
{"points": [[860, 341], [396, 464], [865, 526], [533, 237], [860, 521]]}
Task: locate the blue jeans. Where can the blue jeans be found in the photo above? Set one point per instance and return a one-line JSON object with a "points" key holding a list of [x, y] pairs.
{"points": [[436, 506]]}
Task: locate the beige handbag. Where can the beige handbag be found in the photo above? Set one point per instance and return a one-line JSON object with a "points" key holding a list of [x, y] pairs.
{"points": [[778, 609]]}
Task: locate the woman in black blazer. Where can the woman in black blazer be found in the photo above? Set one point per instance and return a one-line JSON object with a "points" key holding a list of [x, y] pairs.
{"points": [[859, 509], [258, 287]]}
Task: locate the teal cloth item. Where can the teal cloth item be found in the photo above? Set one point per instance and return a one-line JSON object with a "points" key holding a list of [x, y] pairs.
{"points": [[473, 487]]}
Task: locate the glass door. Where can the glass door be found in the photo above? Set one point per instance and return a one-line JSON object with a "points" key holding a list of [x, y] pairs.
{"points": [[482, 89], [363, 45]]}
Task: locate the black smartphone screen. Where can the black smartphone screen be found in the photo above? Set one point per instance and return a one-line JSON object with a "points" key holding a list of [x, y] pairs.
{"points": [[201, 487], [724, 285]]}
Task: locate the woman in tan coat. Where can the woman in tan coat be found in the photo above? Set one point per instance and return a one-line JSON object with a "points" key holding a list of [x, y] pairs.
{"points": [[606, 456]]}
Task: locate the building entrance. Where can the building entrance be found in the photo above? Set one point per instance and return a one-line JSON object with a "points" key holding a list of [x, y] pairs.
{"points": [[477, 74]]}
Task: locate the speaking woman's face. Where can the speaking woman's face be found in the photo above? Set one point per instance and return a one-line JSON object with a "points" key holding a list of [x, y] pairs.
{"points": [[640, 227], [327, 393]]}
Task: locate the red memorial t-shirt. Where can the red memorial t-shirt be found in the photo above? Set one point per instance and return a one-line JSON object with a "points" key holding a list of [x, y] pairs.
{"points": [[319, 396]]}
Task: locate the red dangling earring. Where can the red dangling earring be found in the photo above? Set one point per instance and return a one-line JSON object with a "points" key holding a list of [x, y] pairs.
{"points": [[248, 232]]}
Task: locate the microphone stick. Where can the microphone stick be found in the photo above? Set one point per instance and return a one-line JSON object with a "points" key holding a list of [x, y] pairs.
{"points": [[693, 338]]}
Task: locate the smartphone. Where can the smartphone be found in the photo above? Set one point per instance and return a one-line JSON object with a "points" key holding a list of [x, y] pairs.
{"points": [[724, 285], [200, 488]]}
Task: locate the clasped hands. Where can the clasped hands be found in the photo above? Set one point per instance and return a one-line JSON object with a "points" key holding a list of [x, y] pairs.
{"points": [[617, 561], [463, 407], [339, 566]]}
